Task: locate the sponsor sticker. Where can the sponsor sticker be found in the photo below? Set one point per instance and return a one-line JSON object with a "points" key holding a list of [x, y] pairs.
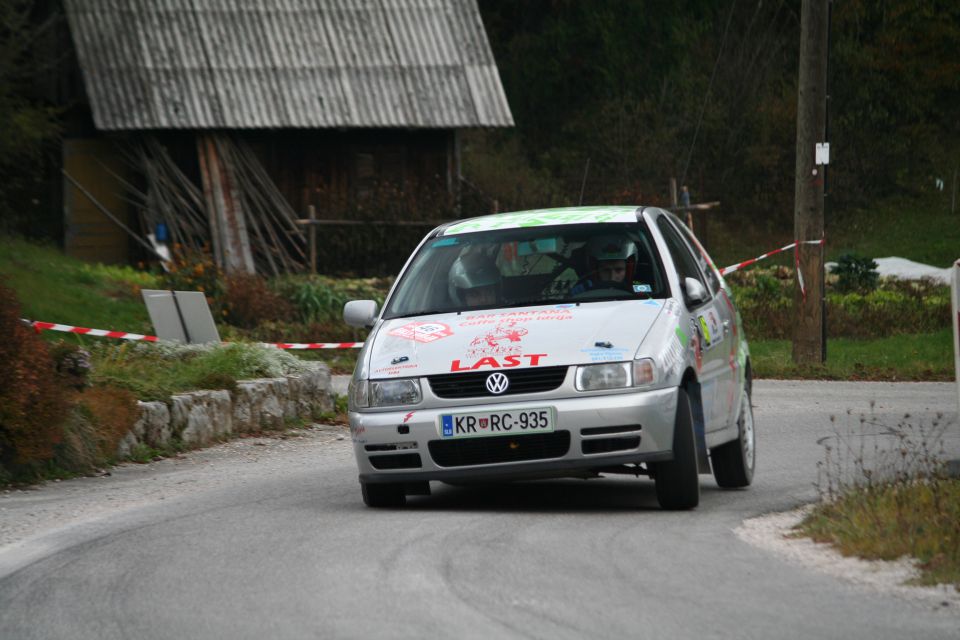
{"points": [[561, 312], [494, 362], [614, 354], [395, 370], [422, 331]]}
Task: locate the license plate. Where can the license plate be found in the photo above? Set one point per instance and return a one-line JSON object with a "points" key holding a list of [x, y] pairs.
{"points": [[497, 423]]}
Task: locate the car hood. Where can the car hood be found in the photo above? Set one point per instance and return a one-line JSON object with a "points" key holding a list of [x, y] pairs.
{"points": [[506, 338]]}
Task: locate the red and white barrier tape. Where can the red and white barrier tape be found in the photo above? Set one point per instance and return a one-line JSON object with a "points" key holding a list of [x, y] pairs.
{"points": [[103, 333], [792, 245], [315, 345], [124, 335]]}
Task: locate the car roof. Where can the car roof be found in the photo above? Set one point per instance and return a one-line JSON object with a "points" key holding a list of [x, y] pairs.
{"points": [[543, 218]]}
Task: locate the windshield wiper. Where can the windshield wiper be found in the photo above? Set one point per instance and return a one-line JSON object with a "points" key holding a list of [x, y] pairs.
{"points": [[426, 312], [528, 303]]}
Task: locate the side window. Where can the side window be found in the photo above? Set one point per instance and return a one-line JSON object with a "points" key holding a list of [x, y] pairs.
{"points": [[712, 280], [683, 259]]}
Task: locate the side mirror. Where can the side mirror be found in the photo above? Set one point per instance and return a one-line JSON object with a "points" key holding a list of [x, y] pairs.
{"points": [[360, 313], [696, 292]]}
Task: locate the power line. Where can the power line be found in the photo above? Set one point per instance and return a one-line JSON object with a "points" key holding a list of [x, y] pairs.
{"points": [[706, 96]]}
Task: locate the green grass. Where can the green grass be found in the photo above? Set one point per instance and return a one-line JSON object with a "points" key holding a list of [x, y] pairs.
{"points": [[903, 357], [54, 288], [156, 371], [920, 519], [921, 229], [916, 230]]}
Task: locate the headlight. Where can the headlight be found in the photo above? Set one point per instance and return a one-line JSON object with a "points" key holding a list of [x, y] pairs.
{"points": [[616, 375], [388, 393], [609, 375], [357, 394], [644, 372]]}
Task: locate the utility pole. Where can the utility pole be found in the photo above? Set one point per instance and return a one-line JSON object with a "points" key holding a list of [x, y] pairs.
{"points": [[808, 343]]}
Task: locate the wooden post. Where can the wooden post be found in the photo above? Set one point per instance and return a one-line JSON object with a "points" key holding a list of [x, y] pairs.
{"points": [[808, 343], [312, 215], [953, 198], [673, 193], [224, 209]]}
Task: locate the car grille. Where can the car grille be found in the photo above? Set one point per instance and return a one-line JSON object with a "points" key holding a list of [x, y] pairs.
{"points": [[396, 461], [473, 384], [606, 445], [596, 431], [491, 450]]}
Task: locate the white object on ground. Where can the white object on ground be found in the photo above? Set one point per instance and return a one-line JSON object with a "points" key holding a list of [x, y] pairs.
{"points": [[905, 269]]}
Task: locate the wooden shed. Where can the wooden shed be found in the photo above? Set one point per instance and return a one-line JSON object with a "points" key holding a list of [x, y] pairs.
{"points": [[269, 107]]}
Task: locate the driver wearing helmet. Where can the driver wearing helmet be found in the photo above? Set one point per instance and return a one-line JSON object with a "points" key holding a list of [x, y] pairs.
{"points": [[612, 263], [474, 281]]}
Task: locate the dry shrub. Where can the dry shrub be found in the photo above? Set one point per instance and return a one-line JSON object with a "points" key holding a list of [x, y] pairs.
{"points": [[249, 301], [112, 411], [33, 405], [78, 451]]}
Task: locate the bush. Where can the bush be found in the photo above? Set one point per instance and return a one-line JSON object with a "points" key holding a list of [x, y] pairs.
{"points": [[113, 412], [319, 299], [192, 270], [33, 404], [765, 300], [98, 423], [249, 301], [855, 273]]}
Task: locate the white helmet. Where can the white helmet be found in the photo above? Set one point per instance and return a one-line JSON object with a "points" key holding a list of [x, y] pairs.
{"points": [[612, 248], [470, 271]]}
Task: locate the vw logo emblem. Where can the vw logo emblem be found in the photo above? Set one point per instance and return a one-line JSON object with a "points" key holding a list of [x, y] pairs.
{"points": [[497, 383]]}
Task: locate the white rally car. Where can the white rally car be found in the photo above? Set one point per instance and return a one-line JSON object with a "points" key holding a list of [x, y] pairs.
{"points": [[553, 343]]}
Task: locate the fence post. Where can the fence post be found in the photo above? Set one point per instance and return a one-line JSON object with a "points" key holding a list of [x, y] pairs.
{"points": [[956, 329], [312, 215]]}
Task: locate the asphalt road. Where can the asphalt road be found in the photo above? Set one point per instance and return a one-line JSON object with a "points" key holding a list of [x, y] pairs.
{"points": [[284, 548]]}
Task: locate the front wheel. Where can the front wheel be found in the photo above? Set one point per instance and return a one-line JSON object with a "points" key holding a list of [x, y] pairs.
{"points": [[734, 461], [677, 481], [383, 495]]}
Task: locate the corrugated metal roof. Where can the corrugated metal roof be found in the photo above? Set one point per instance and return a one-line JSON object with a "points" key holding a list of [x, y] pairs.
{"points": [[245, 64]]}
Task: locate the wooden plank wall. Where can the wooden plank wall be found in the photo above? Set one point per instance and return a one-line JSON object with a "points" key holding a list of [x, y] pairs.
{"points": [[88, 233]]}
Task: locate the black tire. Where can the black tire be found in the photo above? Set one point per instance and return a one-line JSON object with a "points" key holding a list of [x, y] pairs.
{"points": [[678, 481], [734, 462], [383, 495]]}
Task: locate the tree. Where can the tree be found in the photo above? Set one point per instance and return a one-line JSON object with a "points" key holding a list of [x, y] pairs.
{"points": [[28, 126]]}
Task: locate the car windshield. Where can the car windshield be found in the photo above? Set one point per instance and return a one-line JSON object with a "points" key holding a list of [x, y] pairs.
{"points": [[579, 263]]}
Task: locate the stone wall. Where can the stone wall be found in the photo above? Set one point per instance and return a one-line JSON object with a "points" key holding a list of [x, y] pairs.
{"points": [[201, 417]]}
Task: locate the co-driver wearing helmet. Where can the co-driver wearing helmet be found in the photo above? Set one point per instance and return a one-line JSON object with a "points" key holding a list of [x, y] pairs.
{"points": [[474, 281], [612, 262]]}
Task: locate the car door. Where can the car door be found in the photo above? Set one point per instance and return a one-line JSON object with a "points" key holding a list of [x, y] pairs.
{"points": [[729, 404], [707, 328]]}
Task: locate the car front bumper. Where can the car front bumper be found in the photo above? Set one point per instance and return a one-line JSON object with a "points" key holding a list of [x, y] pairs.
{"points": [[603, 430]]}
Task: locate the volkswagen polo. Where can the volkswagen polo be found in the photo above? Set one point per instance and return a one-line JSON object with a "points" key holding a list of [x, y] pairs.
{"points": [[553, 343]]}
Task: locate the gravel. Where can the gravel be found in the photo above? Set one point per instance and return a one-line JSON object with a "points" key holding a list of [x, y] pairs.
{"points": [[771, 531]]}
